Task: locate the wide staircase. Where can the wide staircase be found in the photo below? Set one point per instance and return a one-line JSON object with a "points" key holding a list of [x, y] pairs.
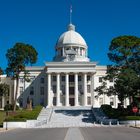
{"points": [[67, 117]]}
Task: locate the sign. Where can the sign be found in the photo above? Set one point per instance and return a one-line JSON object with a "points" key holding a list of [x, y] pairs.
{"points": [[135, 109]]}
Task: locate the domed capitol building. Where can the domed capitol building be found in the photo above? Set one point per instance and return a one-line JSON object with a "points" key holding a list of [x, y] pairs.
{"points": [[69, 80]]}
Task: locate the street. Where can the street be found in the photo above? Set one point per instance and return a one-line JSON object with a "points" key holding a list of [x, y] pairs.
{"points": [[95, 133]]}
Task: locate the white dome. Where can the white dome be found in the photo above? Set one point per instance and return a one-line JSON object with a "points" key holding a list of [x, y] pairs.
{"points": [[71, 47], [71, 38]]}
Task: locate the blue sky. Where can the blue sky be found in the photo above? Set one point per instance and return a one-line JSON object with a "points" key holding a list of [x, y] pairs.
{"points": [[41, 22]]}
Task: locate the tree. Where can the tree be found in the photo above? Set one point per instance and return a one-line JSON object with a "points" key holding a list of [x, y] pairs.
{"points": [[124, 52], [127, 84], [4, 89], [18, 57]]}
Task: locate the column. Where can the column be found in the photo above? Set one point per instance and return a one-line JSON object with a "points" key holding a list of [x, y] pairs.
{"points": [[92, 90], [58, 90], [67, 90], [85, 89], [79, 51], [63, 52], [76, 89], [49, 90]]}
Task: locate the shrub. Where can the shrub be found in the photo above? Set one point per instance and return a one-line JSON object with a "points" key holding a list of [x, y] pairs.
{"points": [[110, 112], [106, 107], [10, 107]]}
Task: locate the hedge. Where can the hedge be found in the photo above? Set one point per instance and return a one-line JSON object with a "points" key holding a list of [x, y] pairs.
{"points": [[129, 118]]}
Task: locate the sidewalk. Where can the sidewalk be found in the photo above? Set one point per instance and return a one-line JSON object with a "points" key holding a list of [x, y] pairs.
{"points": [[138, 126], [74, 134], [4, 130]]}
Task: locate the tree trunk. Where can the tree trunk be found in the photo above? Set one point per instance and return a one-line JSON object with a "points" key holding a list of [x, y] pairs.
{"points": [[15, 100]]}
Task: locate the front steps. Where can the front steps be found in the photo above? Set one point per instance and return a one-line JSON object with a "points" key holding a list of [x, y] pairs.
{"points": [[67, 117], [44, 114]]}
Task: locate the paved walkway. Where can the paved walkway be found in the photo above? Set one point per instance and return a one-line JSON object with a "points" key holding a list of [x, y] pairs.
{"points": [[74, 134], [95, 133]]}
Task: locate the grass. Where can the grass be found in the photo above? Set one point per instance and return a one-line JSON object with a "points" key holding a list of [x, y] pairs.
{"points": [[130, 118], [23, 115], [2, 117]]}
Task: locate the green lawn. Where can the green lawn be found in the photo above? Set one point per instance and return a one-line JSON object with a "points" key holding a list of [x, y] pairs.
{"points": [[23, 115], [2, 117], [20, 115]]}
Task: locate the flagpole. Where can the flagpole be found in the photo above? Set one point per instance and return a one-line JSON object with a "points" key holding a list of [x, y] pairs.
{"points": [[70, 14]]}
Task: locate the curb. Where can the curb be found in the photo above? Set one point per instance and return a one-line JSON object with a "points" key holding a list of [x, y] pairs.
{"points": [[4, 130], [135, 127]]}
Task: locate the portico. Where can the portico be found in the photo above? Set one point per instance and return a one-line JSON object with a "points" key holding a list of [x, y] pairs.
{"points": [[68, 87]]}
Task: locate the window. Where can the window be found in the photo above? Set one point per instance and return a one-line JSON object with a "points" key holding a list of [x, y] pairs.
{"points": [[54, 78], [71, 78], [111, 101], [41, 90], [89, 100], [88, 78], [100, 79], [42, 80], [63, 78], [71, 90], [88, 88], [79, 78], [54, 88], [20, 90], [31, 90], [100, 101]]}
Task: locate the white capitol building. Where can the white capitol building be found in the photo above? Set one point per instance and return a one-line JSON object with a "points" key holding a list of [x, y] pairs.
{"points": [[69, 80]]}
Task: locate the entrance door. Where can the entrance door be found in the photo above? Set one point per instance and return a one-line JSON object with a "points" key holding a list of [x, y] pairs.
{"points": [[71, 101]]}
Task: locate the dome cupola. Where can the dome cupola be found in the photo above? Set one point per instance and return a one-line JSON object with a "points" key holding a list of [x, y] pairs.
{"points": [[71, 46]]}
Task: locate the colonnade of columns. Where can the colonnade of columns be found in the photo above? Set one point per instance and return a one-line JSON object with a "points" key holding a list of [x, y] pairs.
{"points": [[80, 51], [76, 103]]}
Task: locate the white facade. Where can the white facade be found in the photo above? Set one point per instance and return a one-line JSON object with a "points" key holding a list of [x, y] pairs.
{"points": [[69, 80]]}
